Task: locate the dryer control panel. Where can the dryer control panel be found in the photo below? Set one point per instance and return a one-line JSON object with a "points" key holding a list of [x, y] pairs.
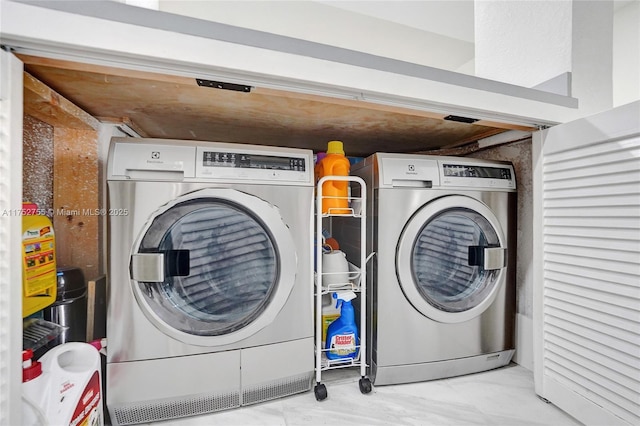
{"points": [[467, 173], [473, 171], [391, 170]]}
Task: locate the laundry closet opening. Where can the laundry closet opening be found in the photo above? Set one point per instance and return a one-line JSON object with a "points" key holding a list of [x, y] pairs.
{"points": [[72, 109]]}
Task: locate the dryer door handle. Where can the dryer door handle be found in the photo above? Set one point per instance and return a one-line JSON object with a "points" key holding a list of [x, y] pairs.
{"points": [[489, 258], [495, 258]]}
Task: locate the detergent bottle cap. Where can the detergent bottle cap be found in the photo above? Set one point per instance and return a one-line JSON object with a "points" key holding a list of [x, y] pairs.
{"points": [[30, 369], [335, 147]]}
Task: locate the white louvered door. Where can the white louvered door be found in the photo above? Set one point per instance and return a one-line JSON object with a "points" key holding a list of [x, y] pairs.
{"points": [[587, 267], [10, 238]]}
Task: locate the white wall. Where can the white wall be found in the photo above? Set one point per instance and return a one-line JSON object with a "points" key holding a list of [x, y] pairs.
{"points": [[149, 4], [451, 18], [626, 53], [379, 28], [592, 55], [523, 43]]}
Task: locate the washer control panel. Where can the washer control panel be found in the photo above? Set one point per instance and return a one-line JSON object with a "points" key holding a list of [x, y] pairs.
{"points": [[468, 173], [174, 160], [252, 161]]}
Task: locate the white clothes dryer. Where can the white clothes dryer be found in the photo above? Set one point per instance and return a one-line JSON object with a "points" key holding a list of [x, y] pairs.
{"points": [[442, 281], [210, 287]]}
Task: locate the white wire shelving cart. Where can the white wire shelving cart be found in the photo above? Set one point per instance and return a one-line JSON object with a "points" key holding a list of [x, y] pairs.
{"points": [[356, 283]]}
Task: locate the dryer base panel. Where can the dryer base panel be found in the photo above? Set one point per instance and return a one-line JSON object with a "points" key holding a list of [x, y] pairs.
{"points": [[408, 373]]}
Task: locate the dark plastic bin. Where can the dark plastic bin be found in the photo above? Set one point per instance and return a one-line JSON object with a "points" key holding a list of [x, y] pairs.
{"points": [[70, 308]]}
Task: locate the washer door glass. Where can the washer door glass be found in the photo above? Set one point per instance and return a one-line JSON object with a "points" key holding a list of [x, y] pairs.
{"points": [[451, 259], [212, 266]]}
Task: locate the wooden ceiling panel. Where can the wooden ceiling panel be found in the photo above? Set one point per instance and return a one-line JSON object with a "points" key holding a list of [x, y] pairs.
{"points": [[177, 108]]}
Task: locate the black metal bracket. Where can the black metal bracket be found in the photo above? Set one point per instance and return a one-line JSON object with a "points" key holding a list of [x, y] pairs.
{"points": [[460, 119], [223, 85]]}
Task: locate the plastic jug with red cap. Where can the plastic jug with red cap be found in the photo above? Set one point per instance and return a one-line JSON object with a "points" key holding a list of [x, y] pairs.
{"points": [[63, 387]]}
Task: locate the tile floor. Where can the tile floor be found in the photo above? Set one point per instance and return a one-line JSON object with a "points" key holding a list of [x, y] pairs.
{"points": [[500, 397]]}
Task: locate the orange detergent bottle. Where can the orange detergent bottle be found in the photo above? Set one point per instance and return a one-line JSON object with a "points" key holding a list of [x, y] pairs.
{"points": [[334, 193]]}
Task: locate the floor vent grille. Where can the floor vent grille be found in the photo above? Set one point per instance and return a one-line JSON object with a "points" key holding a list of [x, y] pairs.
{"points": [[175, 408], [276, 389]]}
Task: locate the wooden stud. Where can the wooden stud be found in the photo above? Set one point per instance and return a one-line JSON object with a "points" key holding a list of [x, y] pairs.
{"points": [[76, 200], [48, 106]]}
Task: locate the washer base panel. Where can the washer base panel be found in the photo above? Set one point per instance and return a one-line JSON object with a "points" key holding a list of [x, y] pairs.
{"points": [[169, 388]]}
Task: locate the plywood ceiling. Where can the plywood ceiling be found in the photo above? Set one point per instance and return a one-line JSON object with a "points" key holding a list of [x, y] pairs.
{"points": [[162, 106]]}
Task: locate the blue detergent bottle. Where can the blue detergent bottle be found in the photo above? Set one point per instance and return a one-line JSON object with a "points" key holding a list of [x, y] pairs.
{"points": [[342, 334]]}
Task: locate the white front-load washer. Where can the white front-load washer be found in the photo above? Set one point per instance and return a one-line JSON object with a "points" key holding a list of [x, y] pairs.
{"points": [[441, 286], [210, 285]]}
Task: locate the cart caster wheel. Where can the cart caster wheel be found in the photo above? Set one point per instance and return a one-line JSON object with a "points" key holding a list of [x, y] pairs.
{"points": [[321, 392], [365, 385]]}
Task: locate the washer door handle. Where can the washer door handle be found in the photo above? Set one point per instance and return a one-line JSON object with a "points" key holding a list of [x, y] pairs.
{"points": [[489, 258], [147, 267], [155, 267]]}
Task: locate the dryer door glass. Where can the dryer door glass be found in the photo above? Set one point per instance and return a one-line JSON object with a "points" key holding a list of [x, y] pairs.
{"points": [[217, 263], [449, 260], [452, 258]]}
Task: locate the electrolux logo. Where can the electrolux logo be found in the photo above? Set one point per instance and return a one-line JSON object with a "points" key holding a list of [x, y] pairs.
{"points": [[155, 157], [411, 169]]}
